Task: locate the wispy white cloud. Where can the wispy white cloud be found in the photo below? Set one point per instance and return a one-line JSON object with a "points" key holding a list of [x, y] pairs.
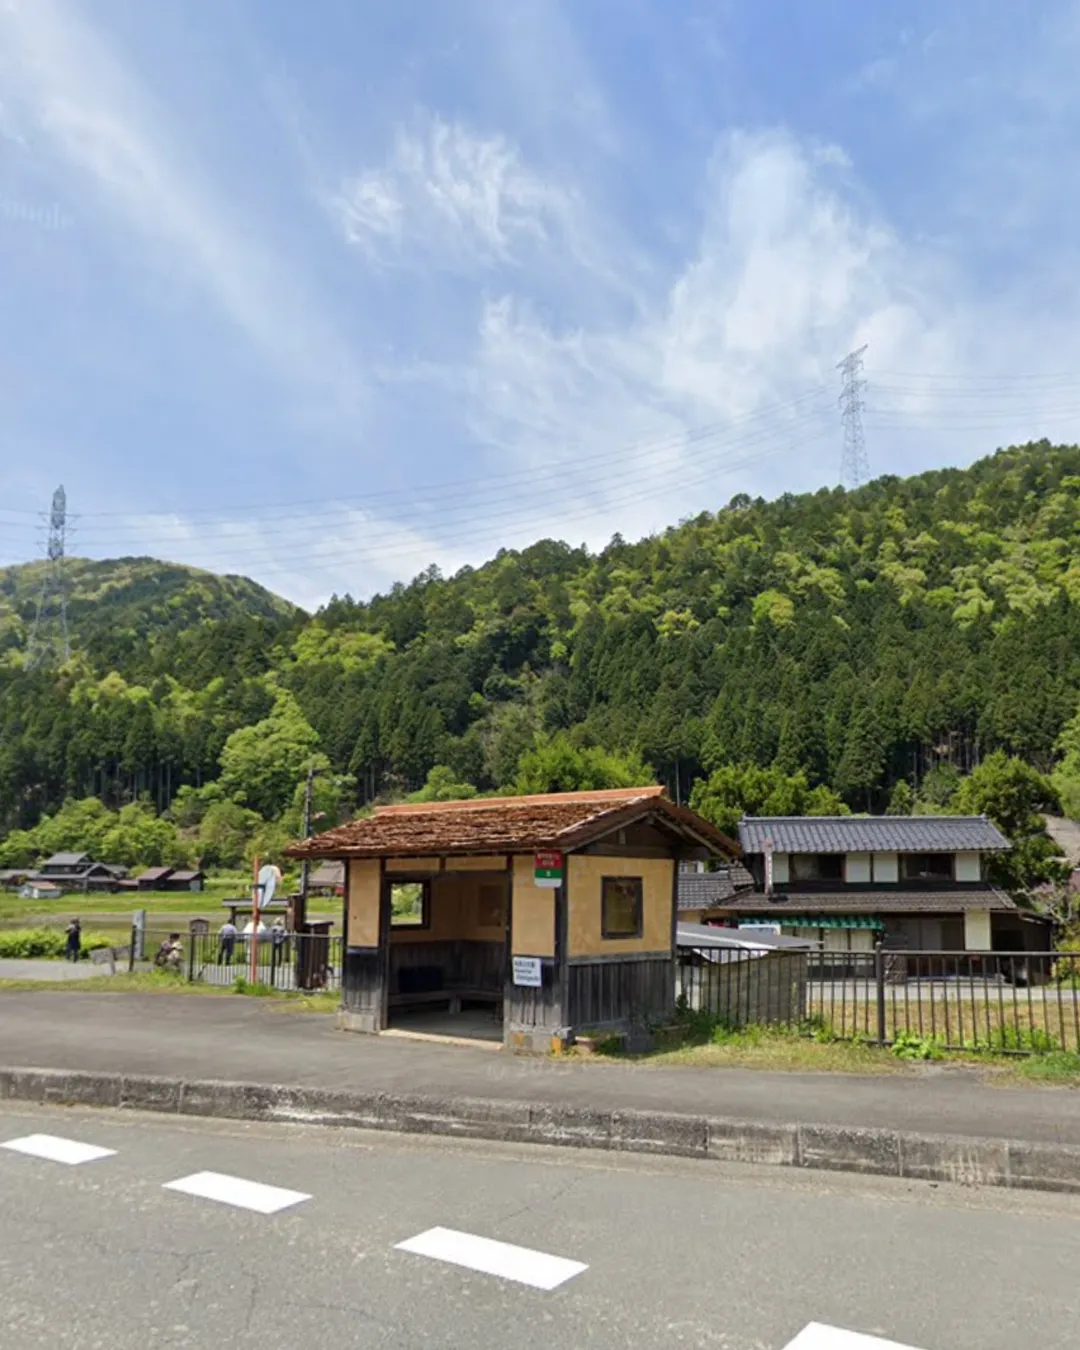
{"points": [[81, 104], [451, 196], [791, 271]]}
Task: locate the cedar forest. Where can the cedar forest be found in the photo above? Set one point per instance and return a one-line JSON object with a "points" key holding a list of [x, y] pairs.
{"points": [[913, 645]]}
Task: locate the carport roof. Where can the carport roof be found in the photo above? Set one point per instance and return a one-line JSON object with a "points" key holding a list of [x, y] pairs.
{"points": [[486, 825]]}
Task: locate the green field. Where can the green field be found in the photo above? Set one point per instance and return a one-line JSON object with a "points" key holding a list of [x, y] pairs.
{"points": [[165, 909]]}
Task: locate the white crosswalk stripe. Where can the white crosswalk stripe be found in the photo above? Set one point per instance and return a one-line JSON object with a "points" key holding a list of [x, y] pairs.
{"points": [[56, 1149], [817, 1336], [236, 1191], [520, 1264]]}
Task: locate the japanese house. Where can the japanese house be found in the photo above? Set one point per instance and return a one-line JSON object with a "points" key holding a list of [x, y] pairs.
{"points": [[153, 879], [185, 879], [918, 883], [556, 910], [79, 872]]}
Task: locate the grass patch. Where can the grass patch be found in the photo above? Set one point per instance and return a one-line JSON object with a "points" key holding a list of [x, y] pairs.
{"points": [[166, 983], [1060, 1066]]}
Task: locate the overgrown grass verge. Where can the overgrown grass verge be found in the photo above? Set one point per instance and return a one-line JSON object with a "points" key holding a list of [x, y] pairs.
{"points": [[697, 1038]]}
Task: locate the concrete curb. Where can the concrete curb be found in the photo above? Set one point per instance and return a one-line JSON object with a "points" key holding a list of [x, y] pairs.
{"points": [[893, 1153]]}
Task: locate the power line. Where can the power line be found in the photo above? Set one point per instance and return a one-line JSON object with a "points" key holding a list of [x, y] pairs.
{"points": [[49, 642], [854, 469], [549, 468], [468, 504]]}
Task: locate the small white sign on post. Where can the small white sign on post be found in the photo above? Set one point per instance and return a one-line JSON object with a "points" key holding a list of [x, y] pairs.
{"points": [[527, 971]]}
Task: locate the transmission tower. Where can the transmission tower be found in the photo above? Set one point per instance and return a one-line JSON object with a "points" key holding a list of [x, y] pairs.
{"points": [[49, 643], [854, 469]]}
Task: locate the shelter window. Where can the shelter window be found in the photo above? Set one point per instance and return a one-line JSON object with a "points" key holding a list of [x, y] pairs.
{"points": [[410, 904], [622, 907]]}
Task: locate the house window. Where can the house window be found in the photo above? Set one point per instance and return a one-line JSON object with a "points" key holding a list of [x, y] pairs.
{"points": [[927, 866], [622, 907], [817, 867], [410, 904]]}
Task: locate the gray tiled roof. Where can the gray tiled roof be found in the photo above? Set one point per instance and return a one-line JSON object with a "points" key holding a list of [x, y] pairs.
{"points": [[703, 890], [852, 901], [871, 834]]}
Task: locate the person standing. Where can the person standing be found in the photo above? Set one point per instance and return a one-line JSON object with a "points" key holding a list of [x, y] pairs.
{"points": [[227, 937], [73, 933]]}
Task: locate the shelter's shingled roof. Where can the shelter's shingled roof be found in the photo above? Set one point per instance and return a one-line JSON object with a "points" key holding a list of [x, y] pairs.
{"points": [[871, 834], [505, 825], [855, 900]]}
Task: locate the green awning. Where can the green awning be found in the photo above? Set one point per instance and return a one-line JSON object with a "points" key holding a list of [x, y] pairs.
{"points": [[823, 921]]}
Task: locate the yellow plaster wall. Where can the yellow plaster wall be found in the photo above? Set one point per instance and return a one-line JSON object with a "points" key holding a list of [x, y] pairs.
{"points": [[533, 915], [413, 865], [584, 880], [363, 892], [491, 862]]}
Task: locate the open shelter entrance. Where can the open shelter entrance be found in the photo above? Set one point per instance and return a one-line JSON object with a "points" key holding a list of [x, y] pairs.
{"points": [[447, 949]]}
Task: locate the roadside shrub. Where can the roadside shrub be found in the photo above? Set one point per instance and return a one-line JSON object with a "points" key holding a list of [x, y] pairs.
{"points": [[241, 985], [909, 1045], [1028, 1040], [27, 944]]}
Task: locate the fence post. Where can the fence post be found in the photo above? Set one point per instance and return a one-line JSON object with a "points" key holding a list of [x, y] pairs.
{"points": [[131, 948], [192, 939], [879, 980]]}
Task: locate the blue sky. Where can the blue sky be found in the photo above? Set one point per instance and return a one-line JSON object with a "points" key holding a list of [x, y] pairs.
{"points": [[325, 293]]}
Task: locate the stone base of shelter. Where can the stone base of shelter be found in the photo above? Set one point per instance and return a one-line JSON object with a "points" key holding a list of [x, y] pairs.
{"points": [[349, 1019]]}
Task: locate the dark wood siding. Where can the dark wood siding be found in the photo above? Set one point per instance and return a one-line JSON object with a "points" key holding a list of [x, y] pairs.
{"points": [[456, 964], [620, 991], [540, 1009], [362, 982]]}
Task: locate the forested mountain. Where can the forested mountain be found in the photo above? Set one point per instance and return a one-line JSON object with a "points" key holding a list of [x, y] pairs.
{"points": [[864, 637], [116, 608]]}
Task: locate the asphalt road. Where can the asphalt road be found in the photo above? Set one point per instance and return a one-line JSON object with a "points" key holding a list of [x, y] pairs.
{"points": [[649, 1252]]}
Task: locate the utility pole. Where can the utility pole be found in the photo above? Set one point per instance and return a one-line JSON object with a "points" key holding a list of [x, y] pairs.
{"points": [[305, 865], [854, 469], [49, 642]]}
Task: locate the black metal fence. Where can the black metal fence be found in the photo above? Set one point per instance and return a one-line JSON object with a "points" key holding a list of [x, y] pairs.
{"points": [[300, 962], [1005, 1002]]}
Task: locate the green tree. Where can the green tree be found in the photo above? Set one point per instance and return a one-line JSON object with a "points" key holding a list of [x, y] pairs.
{"points": [[558, 765], [225, 834], [140, 835], [858, 773], [262, 764], [78, 827], [737, 790], [441, 786], [1014, 796], [901, 799]]}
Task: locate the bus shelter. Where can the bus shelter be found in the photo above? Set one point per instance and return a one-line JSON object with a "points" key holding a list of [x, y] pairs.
{"points": [[558, 912]]}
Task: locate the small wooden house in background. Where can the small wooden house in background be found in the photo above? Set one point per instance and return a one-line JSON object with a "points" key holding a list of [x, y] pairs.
{"points": [[558, 910]]}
